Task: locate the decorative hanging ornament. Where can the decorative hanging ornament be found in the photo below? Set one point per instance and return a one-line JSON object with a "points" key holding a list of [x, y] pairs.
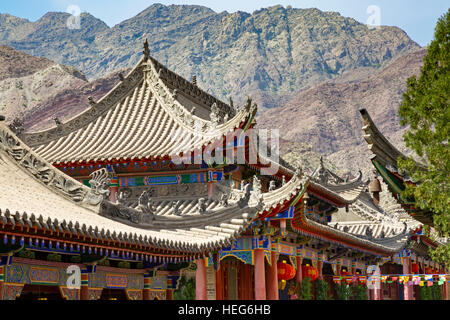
{"points": [[285, 271], [310, 272]]}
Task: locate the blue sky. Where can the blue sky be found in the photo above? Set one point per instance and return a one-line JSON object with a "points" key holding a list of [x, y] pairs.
{"points": [[417, 17]]}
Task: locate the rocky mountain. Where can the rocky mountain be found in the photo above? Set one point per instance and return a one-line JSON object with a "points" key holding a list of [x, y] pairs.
{"points": [[326, 116], [37, 89], [270, 54], [69, 101], [25, 81]]}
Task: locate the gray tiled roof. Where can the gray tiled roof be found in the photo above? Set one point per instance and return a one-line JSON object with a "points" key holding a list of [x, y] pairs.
{"points": [[33, 192], [142, 117]]}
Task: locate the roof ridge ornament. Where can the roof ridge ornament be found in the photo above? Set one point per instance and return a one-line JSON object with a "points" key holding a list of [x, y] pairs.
{"points": [[91, 101], [272, 185], [99, 186], [16, 126], [215, 115], [146, 50]]}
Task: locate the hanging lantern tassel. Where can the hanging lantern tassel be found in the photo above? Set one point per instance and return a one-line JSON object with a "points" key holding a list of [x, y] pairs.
{"points": [[282, 284]]}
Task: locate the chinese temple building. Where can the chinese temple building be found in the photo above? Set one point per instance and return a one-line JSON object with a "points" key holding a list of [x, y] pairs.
{"points": [[392, 186], [140, 191]]}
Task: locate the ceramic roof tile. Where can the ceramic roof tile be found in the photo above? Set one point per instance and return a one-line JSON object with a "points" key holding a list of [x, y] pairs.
{"points": [[139, 118]]}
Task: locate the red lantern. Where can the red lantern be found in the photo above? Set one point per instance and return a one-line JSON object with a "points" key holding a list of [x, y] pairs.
{"points": [[285, 271], [415, 268], [310, 272]]}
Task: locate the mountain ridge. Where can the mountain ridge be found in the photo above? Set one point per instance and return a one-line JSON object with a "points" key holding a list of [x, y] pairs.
{"points": [[269, 54]]}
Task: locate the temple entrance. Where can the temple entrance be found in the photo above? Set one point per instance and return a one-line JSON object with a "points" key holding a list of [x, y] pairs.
{"points": [[40, 292], [237, 281], [113, 294], [394, 290]]}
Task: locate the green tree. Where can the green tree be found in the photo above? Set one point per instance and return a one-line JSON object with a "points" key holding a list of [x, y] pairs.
{"points": [[321, 288], [425, 293], [343, 291], [186, 289], [306, 288], [436, 291], [425, 108], [359, 292]]}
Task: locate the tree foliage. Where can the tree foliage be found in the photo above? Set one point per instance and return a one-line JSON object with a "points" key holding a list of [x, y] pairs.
{"points": [[321, 288], [306, 289], [343, 291], [425, 108], [359, 292], [186, 289]]}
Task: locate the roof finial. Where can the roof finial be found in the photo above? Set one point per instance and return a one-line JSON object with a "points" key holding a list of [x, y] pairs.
{"points": [[146, 51], [57, 121], [194, 80], [91, 101]]}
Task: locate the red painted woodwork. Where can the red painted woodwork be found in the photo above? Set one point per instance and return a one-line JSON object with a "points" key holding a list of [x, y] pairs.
{"points": [[415, 268], [200, 280], [260, 278], [274, 276], [219, 283], [299, 275]]}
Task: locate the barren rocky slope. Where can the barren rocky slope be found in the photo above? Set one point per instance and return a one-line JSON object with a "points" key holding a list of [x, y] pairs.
{"points": [[327, 116], [37, 89], [269, 54]]}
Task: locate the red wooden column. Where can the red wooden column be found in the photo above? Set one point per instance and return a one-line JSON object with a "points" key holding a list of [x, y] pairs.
{"points": [[407, 292], [219, 284], [210, 189], [249, 284], [169, 294], [200, 280], [272, 281], [319, 268], [298, 273], [260, 278]]}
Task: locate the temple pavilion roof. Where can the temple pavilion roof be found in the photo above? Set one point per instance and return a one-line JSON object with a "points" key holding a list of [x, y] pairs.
{"points": [[385, 161], [152, 113], [35, 194], [384, 152]]}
